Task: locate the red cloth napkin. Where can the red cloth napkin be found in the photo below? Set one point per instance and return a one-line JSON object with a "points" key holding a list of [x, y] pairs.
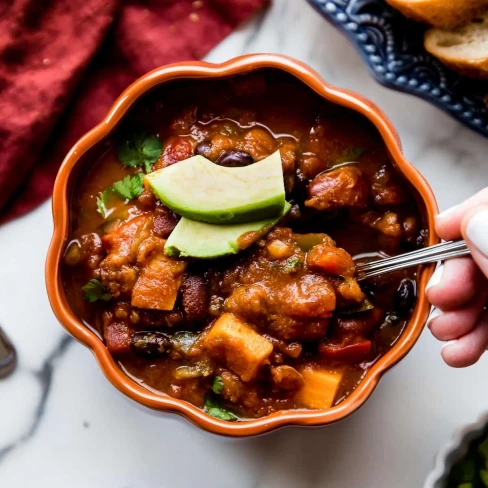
{"points": [[63, 63]]}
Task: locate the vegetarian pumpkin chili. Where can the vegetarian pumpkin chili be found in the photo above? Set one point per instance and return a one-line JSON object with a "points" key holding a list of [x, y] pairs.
{"points": [[242, 318]]}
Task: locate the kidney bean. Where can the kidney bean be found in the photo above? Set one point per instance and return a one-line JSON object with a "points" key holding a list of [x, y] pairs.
{"points": [[194, 298], [164, 222], [234, 159]]}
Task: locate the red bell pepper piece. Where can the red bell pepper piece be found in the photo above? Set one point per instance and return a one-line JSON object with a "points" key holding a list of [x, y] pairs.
{"points": [[349, 353]]}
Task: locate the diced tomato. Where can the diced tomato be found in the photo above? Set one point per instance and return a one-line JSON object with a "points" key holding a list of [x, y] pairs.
{"points": [[177, 149], [349, 353]]}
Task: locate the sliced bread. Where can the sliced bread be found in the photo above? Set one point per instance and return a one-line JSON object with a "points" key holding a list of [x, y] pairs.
{"points": [[445, 14], [464, 49]]}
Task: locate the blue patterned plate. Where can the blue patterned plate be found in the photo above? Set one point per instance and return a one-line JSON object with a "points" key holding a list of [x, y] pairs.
{"points": [[392, 47]]}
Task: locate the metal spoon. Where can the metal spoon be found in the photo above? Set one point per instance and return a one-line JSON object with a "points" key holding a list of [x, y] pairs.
{"points": [[432, 254]]}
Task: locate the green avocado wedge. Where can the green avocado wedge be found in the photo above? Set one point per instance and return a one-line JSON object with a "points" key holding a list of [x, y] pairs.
{"points": [[201, 190], [191, 238]]}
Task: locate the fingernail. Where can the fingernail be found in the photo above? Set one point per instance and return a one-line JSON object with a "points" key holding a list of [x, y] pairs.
{"points": [[448, 343], [436, 277], [446, 212], [435, 313], [477, 231]]}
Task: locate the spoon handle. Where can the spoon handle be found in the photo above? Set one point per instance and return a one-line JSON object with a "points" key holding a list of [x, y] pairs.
{"points": [[431, 254]]}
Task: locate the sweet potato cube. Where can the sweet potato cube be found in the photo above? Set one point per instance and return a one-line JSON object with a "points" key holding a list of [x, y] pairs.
{"points": [[242, 349], [319, 389], [158, 284]]}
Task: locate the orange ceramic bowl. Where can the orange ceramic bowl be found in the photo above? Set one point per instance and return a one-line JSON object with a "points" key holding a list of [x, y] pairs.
{"points": [[61, 215]]}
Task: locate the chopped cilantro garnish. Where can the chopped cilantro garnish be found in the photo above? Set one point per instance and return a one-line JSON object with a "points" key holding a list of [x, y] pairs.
{"points": [[94, 291], [101, 206], [139, 150], [130, 187], [215, 410], [102, 201], [293, 265], [217, 385]]}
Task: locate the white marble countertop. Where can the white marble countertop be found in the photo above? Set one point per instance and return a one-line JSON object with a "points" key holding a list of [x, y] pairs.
{"points": [[63, 425]]}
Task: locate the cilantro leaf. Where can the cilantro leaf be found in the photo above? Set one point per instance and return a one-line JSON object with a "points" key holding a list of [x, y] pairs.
{"points": [[151, 149], [101, 206], [351, 154], [292, 265], [217, 385], [102, 200], [140, 150], [215, 410], [94, 291], [130, 187]]}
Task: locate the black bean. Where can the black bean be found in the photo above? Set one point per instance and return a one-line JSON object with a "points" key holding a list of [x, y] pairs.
{"points": [[203, 149], [234, 159], [405, 297], [150, 344]]}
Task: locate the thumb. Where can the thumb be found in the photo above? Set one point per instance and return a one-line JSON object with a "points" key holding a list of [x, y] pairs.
{"points": [[474, 228]]}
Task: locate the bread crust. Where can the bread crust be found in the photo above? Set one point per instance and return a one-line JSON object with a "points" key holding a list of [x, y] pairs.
{"points": [[472, 67], [444, 14]]}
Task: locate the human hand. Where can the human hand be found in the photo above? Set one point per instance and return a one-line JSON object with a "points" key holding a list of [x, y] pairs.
{"points": [[459, 287]]}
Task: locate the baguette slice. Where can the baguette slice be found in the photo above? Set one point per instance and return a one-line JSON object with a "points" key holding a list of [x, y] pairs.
{"points": [[464, 49], [445, 14]]}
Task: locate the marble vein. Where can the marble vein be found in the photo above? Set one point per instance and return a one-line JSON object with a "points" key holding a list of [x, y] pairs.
{"points": [[44, 376]]}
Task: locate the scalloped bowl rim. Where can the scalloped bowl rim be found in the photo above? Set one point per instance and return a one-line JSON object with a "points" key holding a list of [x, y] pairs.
{"points": [[127, 385]]}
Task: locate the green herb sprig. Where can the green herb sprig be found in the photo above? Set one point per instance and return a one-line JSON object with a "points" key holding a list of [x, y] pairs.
{"points": [[217, 385], [293, 265], [140, 149], [128, 188], [215, 410], [94, 290]]}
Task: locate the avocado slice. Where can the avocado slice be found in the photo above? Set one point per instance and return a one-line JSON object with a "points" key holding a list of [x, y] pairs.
{"points": [[201, 190], [191, 238]]}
